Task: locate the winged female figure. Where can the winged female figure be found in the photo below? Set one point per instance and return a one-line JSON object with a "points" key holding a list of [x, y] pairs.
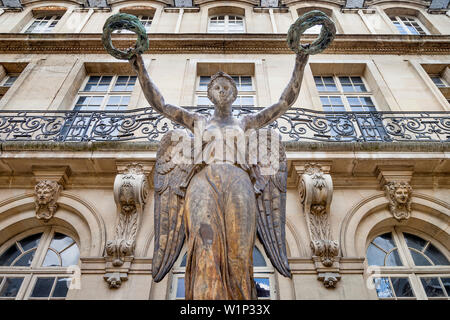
{"points": [[219, 207]]}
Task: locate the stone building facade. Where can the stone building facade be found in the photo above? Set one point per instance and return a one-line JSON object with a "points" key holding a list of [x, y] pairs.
{"points": [[369, 132]]}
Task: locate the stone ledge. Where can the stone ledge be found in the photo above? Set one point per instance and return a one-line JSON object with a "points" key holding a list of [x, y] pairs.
{"points": [[291, 146]]}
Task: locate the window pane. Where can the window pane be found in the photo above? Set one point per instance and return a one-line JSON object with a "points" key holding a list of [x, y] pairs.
{"points": [[9, 255], [393, 259], [385, 241], [375, 256], [383, 288], [436, 256], [43, 287], [30, 242], [183, 261], [70, 256], [432, 287], [258, 259], [419, 259], [203, 85], [51, 259], [180, 288], [25, 260], [402, 287], [61, 288], [60, 242], [11, 287], [262, 287], [414, 241], [445, 281]]}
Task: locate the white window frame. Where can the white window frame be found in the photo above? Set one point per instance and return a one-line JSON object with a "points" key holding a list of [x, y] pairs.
{"points": [[258, 272], [344, 94], [40, 16], [36, 270], [405, 27], [226, 28], [105, 94], [144, 22], [444, 82], [204, 93], [409, 269]]}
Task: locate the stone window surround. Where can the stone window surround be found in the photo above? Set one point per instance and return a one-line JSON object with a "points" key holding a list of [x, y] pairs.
{"points": [[406, 10], [424, 70], [66, 98], [366, 69], [31, 274], [408, 270]]}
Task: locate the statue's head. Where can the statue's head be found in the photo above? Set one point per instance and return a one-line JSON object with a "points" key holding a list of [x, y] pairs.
{"points": [[222, 90]]}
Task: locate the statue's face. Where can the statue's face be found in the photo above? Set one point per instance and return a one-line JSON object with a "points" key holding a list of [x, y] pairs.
{"points": [[43, 193], [221, 92], [401, 195]]}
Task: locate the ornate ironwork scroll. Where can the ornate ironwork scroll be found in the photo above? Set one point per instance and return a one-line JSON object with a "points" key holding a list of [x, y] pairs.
{"points": [[297, 124]]}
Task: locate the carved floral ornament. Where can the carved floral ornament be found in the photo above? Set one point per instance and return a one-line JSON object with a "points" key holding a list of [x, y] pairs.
{"points": [[130, 195], [46, 194], [399, 195], [316, 191]]}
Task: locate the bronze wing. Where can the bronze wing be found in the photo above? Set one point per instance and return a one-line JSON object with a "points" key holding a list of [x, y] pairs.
{"points": [[271, 201], [170, 181]]}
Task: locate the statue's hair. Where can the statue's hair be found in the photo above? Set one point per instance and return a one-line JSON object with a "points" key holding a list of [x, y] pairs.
{"points": [[218, 75]]}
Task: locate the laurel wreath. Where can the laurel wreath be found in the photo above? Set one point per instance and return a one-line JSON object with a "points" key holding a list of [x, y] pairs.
{"points": [[305, 22], [129, 22]]}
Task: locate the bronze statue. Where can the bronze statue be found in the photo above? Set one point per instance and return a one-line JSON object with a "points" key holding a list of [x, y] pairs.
{"points": [[219, 205]]}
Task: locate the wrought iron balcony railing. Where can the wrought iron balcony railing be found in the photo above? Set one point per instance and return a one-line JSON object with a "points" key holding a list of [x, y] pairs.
{"points": [[297, 124]]}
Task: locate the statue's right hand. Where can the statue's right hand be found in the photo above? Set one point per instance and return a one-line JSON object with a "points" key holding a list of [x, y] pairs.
{"points": [[137, 62]]}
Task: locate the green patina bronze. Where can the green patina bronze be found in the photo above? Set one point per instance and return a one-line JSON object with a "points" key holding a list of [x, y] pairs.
{"points": [[124, 21], [305, 22]]}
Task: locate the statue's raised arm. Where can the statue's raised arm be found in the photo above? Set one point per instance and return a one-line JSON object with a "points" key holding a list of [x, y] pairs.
{"points": [[292, 90], [133, 55]]}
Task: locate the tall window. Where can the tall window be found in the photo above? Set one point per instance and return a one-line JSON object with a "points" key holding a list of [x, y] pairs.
{"points": [[43, 24], [7, 82], [348, 93], [105, 92], [262, 273], [35, 266], [410, 267], [146, 21], [244, 84], [408, 25], [226, 24]]}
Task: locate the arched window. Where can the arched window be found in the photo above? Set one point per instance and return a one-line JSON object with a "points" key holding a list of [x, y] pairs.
{"points": [[35, 266], [262, 273], [226, 24], [409, 267]]}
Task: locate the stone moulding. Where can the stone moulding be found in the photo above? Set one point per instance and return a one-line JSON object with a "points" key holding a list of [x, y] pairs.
{"points": [[231, 43], [316, 192], [130, 195]]}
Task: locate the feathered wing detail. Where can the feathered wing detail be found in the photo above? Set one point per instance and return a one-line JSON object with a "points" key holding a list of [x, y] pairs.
{"points": [[170, 181], [270, 188]]}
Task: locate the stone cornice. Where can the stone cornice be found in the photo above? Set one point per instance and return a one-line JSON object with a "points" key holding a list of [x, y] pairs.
{"points": [[223, 44]]}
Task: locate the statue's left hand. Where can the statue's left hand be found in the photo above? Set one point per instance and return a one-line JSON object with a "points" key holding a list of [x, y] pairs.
{"points": [[137, 63]]}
